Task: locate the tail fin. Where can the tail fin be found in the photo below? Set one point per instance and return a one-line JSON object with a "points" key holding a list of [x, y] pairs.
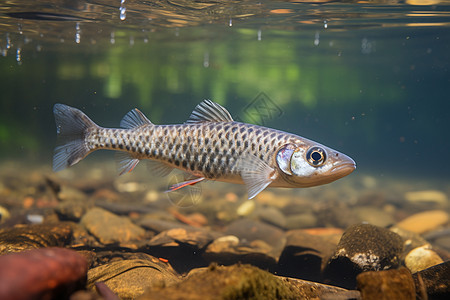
{"points": [[72, 125]]}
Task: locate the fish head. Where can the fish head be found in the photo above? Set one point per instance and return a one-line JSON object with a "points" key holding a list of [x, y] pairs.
{"points": [[309, 164]]}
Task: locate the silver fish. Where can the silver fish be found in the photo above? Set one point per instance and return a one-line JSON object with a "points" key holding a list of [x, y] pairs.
{"points": [[209, 145]]}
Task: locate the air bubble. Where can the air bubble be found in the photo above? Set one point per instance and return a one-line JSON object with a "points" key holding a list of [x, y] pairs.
{"points": [[77, 33], [19, 55], [123, 10], [206, 59], [8, 41], [316, 39]]}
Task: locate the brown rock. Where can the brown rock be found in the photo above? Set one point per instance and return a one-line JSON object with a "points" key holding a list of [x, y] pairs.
{"points": [[72, 210], [302, 220], [34, 236], [249, 230], [427, 196], [433, 282], [410, 239], [51, 273], [272, 216], [158, 226], [389, 284], [242, 282], [110, 228], [374, 216], [228, 250], [424, 221], [363, 247], [195, 237], [234, 282], [130, 278]]}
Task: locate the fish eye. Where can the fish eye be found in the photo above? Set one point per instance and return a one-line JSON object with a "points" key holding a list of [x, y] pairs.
{"points": [[316, 156]]}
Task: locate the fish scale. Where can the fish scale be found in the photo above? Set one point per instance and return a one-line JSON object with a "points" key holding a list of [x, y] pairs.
{"points": [[209, 145], [212, 149]]}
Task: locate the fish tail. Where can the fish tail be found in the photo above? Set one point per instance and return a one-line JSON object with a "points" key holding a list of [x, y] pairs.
{"points": [[72, 126]]}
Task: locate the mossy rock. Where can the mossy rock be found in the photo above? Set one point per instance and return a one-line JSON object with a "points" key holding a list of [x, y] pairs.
{"points": [[231, 282]]}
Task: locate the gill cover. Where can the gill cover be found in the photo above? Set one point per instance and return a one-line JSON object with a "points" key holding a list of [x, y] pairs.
{"points": [[284, 158]]}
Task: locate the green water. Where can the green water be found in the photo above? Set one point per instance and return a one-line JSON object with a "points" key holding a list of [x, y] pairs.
{"points": [[371, 80]]}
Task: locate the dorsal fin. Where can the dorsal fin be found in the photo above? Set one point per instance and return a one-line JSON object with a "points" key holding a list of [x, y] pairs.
{"points": [[208, 111], [133, 119]]}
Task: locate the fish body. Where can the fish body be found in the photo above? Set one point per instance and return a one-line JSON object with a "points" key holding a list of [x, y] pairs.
{"points": [[210, 145]]}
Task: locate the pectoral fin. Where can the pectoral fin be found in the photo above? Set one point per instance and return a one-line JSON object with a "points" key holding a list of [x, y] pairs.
{"points": [[256, 173]]}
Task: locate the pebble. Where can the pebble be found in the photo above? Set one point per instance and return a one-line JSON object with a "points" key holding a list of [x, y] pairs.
{"points": [[410, 239], [386, 285], [72, 210], [424, 221], [363, 247], [303, 220], [152, 196], [422, 258], [248, 230], [271, 199], [128, 279], [428, 196], [50, 273], [335, 214], [194, 237], [4, 214], [155, 225], [228, 250], [198, 218], [374, 216], [129, 187], [246, 208], [110, 228], [71, 194], [272, 216]]}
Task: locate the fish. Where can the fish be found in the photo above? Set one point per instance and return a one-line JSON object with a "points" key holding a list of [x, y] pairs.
{"points": [[210, 145]]}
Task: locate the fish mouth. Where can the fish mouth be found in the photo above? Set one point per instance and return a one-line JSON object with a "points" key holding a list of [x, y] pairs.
{"points": [[344, 168]]}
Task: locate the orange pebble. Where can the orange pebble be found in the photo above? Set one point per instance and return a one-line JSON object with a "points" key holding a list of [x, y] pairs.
{"points": [[281, 11], [28, 202]]}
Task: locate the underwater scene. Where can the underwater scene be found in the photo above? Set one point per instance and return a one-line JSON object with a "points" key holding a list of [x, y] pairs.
{"points": [[184, 149]]}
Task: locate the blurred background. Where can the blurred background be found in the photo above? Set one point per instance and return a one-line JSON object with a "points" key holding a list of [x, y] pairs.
{"points": [[369, 79]]}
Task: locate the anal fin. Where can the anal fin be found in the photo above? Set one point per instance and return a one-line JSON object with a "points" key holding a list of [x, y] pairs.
{"points": [[125, 162]]}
